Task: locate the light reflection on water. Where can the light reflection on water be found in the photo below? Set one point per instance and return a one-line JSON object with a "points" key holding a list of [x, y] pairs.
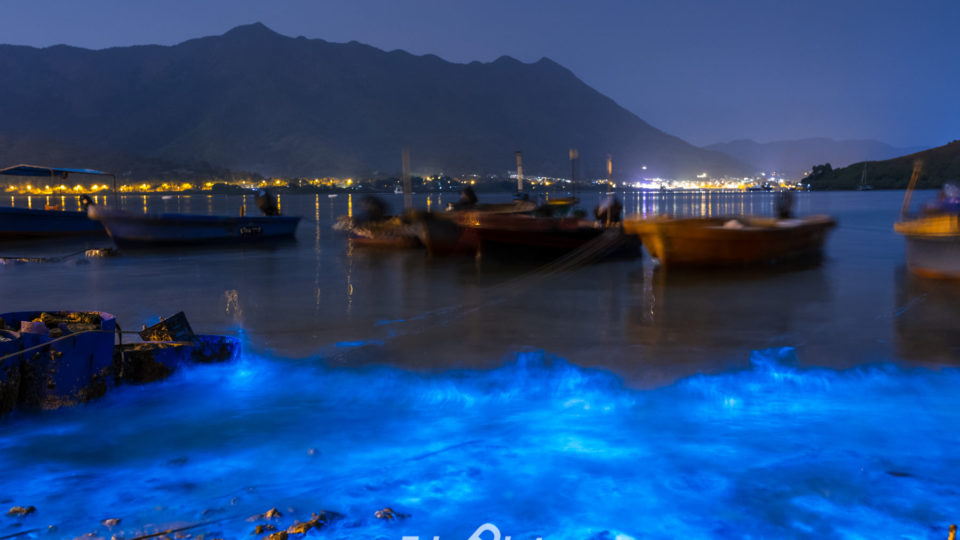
{"points": [[621, 315], [401, 387]]}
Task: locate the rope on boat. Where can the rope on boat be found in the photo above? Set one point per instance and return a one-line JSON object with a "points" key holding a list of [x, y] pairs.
{"points": [[73, 335]]}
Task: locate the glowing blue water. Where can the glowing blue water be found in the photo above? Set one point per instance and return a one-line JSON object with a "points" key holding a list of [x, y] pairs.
{"points": [[455, 428], [539, 447]]}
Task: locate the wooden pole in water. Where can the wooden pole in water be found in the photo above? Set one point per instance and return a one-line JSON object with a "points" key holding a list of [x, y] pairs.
{"points": [[917, 166], [574, 156], [610, 171], [519, 155], [405, 179]]}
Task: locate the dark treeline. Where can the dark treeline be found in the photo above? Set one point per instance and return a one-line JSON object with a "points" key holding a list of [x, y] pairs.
{"points": [[940, 165]]}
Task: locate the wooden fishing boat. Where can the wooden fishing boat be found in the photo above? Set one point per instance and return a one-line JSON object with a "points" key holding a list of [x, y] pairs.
{"points": [[155, 230], [547, 234], [730, 241], [18, 223], [932, 236], [446, 233], [471, 228], [932, 245], [528, 236]]}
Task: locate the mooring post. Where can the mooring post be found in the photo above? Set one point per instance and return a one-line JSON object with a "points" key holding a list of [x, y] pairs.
{"points": [[519, 155]]}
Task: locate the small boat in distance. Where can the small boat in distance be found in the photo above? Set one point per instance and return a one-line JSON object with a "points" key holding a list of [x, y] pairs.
{"points": [[863, 185], [16, 223], [130, 230]]}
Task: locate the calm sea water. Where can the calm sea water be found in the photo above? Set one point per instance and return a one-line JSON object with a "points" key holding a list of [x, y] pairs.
{"points": [[600, 401]]}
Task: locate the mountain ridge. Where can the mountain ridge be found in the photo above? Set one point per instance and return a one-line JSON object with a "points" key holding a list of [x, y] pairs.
{"points": [[253, 99], [939, 165]]}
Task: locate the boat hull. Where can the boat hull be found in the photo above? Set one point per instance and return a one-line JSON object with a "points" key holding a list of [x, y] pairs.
{"points": [[151, 361], [714, 242], [521, 235], [932, 246], [64, 369], [544, 235], [385, 241], [16, 223], [449, 233], [443, 236], [141, 231]]}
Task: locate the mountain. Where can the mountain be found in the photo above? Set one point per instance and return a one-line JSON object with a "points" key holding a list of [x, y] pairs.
{"points": [[940, 165], [258, 101], [793, 158]]}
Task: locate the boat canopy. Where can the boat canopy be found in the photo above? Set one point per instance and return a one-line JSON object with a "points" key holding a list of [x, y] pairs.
{"points": [[36, 170]]}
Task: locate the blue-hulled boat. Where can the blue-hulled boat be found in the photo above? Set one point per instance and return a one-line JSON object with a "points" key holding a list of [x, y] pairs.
{"points": [[18, 223], [52, 359], [36, 223], [155, 230], [67, 358]]}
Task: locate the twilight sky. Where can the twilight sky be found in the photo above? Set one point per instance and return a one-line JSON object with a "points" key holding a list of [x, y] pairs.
{"points": [[704, 70]]}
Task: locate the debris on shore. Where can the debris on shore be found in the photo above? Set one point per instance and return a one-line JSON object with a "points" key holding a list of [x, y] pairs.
{"points": [[272, 513], [21, 511], [388, 514]]}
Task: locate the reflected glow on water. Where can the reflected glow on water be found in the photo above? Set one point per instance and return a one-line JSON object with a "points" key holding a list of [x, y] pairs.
{"points": [[538, 447]]}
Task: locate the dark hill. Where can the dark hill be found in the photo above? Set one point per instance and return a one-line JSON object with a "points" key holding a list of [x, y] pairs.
{"points": [[793, 158], [254, 100], [940, 165]]}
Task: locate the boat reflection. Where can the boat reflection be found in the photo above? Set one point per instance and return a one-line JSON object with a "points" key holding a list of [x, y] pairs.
{"points": [[707, 321], [925, 318]]}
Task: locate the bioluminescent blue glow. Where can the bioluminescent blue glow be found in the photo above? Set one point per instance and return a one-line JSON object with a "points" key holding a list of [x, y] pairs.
{"points": [[538, 447]]}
